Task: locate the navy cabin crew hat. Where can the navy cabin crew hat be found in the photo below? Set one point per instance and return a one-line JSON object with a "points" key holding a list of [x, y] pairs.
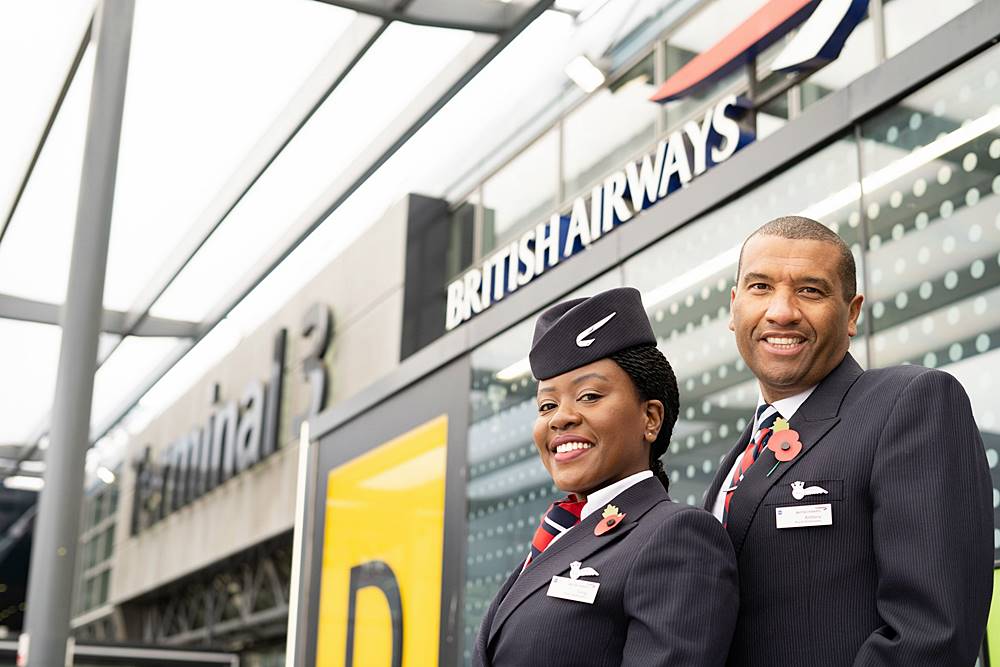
{"points": [[577, 332]]}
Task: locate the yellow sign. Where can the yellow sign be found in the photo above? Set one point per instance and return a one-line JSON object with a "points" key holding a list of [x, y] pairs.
{"points": [[380, 596]]}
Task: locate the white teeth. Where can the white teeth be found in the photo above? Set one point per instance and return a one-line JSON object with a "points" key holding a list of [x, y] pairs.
{"points": [[786, 342], [570, 446]]}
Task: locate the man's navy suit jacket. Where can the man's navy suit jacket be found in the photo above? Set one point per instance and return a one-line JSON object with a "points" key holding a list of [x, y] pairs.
{"points": [[667, 593], [904, 576]]}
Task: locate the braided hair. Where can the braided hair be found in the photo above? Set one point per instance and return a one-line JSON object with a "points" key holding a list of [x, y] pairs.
{"points": [[654, 379]]}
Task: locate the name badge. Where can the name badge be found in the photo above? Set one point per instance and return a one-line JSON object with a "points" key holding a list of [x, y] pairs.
{"points": [[576, 590], [803, 516]]}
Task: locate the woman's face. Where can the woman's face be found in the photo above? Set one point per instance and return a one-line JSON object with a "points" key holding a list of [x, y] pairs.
{"points": [[592, 428]]}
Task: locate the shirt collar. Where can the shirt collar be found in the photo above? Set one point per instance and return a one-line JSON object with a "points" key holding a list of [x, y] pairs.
{"points": [[787, 406], [600, 498]]}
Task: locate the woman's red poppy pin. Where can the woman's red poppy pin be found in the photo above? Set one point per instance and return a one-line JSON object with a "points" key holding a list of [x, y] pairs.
{"points": [[610, 518], [784, 442]]}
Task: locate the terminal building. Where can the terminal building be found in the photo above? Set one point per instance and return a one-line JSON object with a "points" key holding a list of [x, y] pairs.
{"points": [[340, 446]]}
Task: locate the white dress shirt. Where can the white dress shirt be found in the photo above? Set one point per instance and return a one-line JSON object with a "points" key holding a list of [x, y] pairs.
{"points": [[786, 408], [600, 499]]}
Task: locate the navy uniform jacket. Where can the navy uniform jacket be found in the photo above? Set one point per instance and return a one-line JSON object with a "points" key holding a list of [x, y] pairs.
{"points": [[667, 593], [903, 577]]}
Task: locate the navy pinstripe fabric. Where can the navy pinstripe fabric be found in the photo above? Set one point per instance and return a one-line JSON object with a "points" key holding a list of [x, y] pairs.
{"points": [[667, 594], [903, 577]]}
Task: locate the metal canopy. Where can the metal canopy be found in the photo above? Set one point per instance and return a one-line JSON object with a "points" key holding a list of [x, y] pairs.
{"points": [[357, 35]]}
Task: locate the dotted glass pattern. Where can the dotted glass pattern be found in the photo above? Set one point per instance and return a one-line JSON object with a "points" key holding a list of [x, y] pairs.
{"points": [[932, 211]]}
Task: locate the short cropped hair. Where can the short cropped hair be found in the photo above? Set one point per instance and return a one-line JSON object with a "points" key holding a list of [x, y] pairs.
{"points": [[798, 228]]}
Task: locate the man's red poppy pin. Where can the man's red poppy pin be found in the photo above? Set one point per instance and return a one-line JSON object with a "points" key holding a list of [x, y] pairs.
{"points": [[784, 443], [610, 518]]}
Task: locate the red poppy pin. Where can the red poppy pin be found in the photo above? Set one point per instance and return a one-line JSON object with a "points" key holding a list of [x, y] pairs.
{"points": [[784, 443], [610, 518]]}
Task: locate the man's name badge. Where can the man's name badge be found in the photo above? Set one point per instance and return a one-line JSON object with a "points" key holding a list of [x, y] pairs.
{"points": [[576, 590], [803, 516]]}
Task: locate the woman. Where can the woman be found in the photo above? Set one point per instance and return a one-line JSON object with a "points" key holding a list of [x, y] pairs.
{"points": [[617, 574]]}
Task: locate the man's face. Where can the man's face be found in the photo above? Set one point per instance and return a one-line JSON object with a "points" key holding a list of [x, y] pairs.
{"points": [[789, 315]]}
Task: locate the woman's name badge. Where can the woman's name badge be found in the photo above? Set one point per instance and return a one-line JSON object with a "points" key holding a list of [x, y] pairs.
{"points": [[803, 516], [576, 590]]}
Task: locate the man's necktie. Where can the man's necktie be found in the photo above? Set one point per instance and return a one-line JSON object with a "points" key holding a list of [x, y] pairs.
{"points": [[766, 415], [560, 517]]}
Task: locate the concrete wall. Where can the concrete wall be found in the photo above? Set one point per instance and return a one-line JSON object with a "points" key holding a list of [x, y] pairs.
{"points": [[364, 289]]}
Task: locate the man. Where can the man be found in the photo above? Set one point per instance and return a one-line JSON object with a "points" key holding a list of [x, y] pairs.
{"points": [[858, 502]]}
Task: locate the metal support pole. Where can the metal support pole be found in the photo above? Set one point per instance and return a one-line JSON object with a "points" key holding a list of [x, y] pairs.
{"points": [[57, 526]]}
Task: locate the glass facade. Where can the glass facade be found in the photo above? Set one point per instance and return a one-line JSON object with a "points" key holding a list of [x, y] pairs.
{"points": [[97, 540], [915, 192], [617, 122], [614, 125], [522, 192]]}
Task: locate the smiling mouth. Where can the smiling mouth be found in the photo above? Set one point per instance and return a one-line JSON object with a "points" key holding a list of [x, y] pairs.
{"points": [[784, 343], [567, 451], [572, 446]]}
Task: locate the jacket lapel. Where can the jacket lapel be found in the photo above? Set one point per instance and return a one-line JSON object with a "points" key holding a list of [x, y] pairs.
{"points": [[722, 477], [577, 545], [812, 421]]}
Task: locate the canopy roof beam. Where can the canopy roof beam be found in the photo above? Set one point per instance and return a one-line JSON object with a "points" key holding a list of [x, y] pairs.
{"points": [[437, 17], [112, 321], [70, 75]]}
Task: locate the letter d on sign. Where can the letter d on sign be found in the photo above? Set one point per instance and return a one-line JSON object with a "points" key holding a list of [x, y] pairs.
{"points": [[378, 575]]}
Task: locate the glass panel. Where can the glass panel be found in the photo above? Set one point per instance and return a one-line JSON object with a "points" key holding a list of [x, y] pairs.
{"points": [[109, 542], [857, 58], [102, 594], [906, 21], [34, 256], [615, 124], [508, 488], [98, 508], [772, 116], [686, 281], [363, 106], [522, 193], [932, 199], [38, 41], [29, 356], [461, 234], [129, 365]]}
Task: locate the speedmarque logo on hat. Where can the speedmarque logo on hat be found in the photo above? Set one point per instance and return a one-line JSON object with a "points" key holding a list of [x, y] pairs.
{"points": [[582, 340]]}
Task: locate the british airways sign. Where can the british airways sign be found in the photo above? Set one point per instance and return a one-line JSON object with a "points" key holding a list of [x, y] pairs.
{"points": [[686, 153], [824, 26]]}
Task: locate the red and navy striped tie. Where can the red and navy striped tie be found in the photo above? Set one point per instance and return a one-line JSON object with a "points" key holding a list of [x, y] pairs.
{"points": [[560, 517], [767, 414]]}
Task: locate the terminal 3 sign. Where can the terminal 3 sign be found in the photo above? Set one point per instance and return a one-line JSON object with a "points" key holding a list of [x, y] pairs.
{"points": [[237, 434], [685, 154]]}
